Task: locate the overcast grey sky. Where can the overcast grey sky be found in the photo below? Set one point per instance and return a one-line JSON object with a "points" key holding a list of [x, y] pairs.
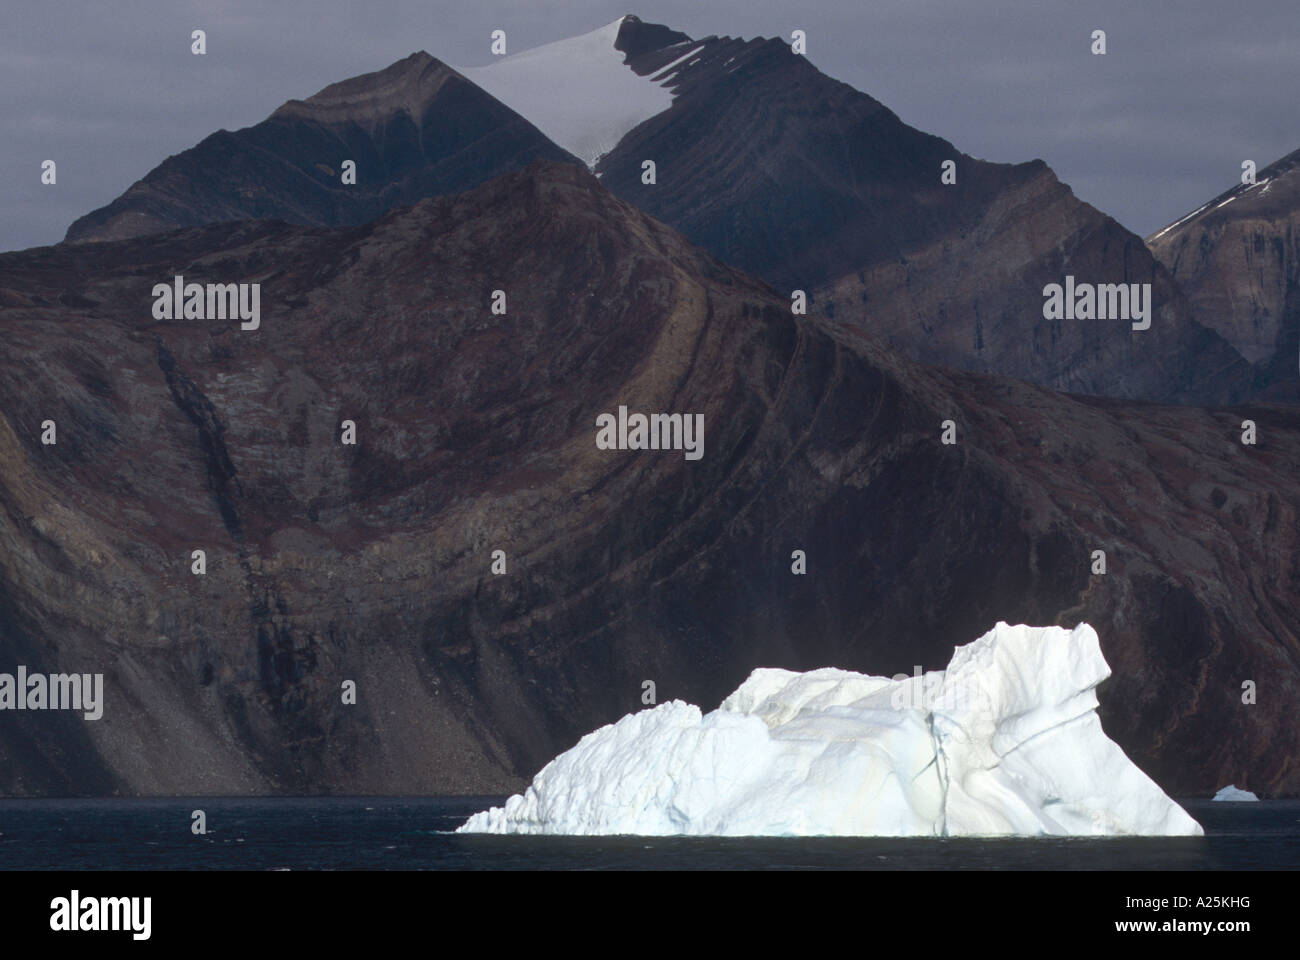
{"points": [[1187, 90]]}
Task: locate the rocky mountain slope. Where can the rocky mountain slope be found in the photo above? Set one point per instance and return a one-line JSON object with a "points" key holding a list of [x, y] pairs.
{"points": [[1238, 260], [415, 129], [761, 159], [801, 179], [476, 432]]}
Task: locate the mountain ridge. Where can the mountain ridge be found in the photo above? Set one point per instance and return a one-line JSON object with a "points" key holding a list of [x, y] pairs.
{"points": [[373, 563], [761, 159], [846, 202], [414, 129]]}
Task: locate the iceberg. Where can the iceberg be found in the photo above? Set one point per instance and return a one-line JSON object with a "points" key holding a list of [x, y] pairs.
{"points": [[1005, 742], [1232, 792]]}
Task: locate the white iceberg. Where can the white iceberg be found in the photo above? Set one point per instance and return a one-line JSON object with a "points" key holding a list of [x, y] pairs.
{"points": [[1233, 793], [1005, 742]]}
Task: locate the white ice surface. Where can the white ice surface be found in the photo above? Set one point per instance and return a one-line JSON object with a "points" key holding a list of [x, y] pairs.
{"points": [[1006, 741], [1233, 793], [578, 91]]}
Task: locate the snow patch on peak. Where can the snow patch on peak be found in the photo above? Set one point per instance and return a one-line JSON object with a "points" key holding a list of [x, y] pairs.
{"points": [[1006, 741], [662, 74], [1178, 223], [1236, 193], [578, 91]]}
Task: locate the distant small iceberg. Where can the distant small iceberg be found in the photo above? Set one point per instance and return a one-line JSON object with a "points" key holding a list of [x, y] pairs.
{"points": [[1232, 793]]}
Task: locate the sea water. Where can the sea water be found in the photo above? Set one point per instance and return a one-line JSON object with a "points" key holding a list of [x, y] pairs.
{"points": [[406, 833]]}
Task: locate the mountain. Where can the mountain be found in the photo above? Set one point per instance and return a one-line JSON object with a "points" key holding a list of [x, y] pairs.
{"points": [[760, 158], [416, 129], [794, 176], [1237, 257], [477, 432]]}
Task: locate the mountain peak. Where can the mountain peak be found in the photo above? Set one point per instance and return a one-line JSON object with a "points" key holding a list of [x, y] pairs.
{"points": [[636, 37], [414, 129], [1275, 174], [406, 85]]}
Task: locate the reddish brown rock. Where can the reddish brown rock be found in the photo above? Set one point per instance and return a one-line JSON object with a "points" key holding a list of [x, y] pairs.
{"points": [[1238, 260], [476, 432]]}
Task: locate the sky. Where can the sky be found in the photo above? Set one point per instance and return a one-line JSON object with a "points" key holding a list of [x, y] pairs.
{"points": [[1187, 90]]}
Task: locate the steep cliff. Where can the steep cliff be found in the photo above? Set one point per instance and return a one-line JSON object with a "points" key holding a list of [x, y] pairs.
{"points": [[1238, 260], [476, 432]]}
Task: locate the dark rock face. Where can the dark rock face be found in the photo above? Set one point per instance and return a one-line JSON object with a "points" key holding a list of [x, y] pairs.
{"points": [[476, 432], [416, 129], [1238, 260], [636, 37], [771, 166], [782, 171]]}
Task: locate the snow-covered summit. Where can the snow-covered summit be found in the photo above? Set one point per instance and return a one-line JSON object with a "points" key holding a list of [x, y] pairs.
{"points": [[580, 91], [1006, 741]]}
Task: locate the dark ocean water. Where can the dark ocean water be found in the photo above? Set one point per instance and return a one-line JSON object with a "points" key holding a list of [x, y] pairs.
{"points": [[375, 833]]}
